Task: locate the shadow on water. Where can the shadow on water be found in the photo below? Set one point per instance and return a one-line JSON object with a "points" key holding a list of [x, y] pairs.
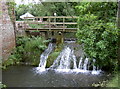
{"points": [[26, 76]]}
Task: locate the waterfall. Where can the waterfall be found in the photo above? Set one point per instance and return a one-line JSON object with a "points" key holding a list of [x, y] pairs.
{"points": [[95, 68], [63, 60], [44, 56], [74, 60], [80, 64], [85, 64], [67, 62]]}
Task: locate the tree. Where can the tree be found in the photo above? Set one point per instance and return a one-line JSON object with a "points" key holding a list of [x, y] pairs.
{"points": [[98, 32], [20, 10], [47, 9]]}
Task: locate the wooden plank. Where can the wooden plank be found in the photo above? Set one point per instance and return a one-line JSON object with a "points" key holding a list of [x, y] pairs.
{"points": [[53, 29], [52, 17], [50, 22]]}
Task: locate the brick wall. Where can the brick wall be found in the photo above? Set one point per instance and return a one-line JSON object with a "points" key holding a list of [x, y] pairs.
{"points": [[7, 35]]}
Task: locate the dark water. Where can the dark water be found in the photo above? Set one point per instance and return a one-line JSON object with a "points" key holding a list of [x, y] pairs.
{"points": [[26, 76]]}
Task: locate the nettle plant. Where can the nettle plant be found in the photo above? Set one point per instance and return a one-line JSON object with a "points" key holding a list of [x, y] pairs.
{"points": [[99, 39]]}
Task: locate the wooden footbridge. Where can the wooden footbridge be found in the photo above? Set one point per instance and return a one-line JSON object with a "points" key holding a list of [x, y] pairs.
{"points": [[52, 26], [51, 23]]}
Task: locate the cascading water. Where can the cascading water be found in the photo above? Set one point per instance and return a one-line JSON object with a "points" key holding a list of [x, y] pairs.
{"points": [[85, 64], [64, 60], [67, 62], [80, 64], [44, 56], [95, 69]]}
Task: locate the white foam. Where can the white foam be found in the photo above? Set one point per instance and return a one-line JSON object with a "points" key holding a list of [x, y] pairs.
{"points": [[96, 72]]}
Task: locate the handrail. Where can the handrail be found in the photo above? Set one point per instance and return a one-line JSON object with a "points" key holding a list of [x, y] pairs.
{"points": [[32, 22], [52, 17]]}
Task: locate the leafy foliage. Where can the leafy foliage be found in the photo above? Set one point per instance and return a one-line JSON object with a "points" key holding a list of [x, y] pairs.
{"points": [[27, 50], [33, 49], [2, 85], [11, 6], [98, 32], [47, 9], [20, 10]]}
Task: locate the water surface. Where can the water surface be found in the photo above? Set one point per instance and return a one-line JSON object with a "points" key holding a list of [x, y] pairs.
{"points": [[27, 76]]}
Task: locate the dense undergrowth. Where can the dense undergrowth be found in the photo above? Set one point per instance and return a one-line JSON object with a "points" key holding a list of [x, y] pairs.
{"points": [[28, 50]]}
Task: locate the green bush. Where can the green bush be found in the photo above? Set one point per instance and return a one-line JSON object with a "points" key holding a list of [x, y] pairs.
{"points": [[98, 32], [27, 50], [33, 49], [99, 39]]}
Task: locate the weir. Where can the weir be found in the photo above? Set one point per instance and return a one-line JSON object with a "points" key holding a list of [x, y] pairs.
{"points": [[54, 28], [66, 62]]}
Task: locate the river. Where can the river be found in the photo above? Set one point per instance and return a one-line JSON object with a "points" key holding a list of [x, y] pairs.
{"points": [[28, 76]]}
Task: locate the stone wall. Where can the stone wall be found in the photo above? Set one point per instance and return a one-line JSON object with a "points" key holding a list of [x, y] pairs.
{"points": [[7, 35]]}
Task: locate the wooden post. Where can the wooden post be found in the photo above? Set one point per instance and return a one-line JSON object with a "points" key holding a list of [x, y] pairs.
{"points": [[49, 23], [37, 23], [63, 24], [24, 24]]}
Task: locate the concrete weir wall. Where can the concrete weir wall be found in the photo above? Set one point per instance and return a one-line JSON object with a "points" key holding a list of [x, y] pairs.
{"points": [[7, 36]]}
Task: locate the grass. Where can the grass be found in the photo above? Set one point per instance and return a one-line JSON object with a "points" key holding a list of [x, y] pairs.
{"points": [[114, 81]]}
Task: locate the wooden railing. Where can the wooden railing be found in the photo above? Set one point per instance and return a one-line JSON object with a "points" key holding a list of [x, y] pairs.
{"points": [[51, 23]]}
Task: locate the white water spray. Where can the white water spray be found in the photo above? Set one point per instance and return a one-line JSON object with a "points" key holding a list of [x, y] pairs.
{"points": [[67, 62], [44, 56], [95, 69]]}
